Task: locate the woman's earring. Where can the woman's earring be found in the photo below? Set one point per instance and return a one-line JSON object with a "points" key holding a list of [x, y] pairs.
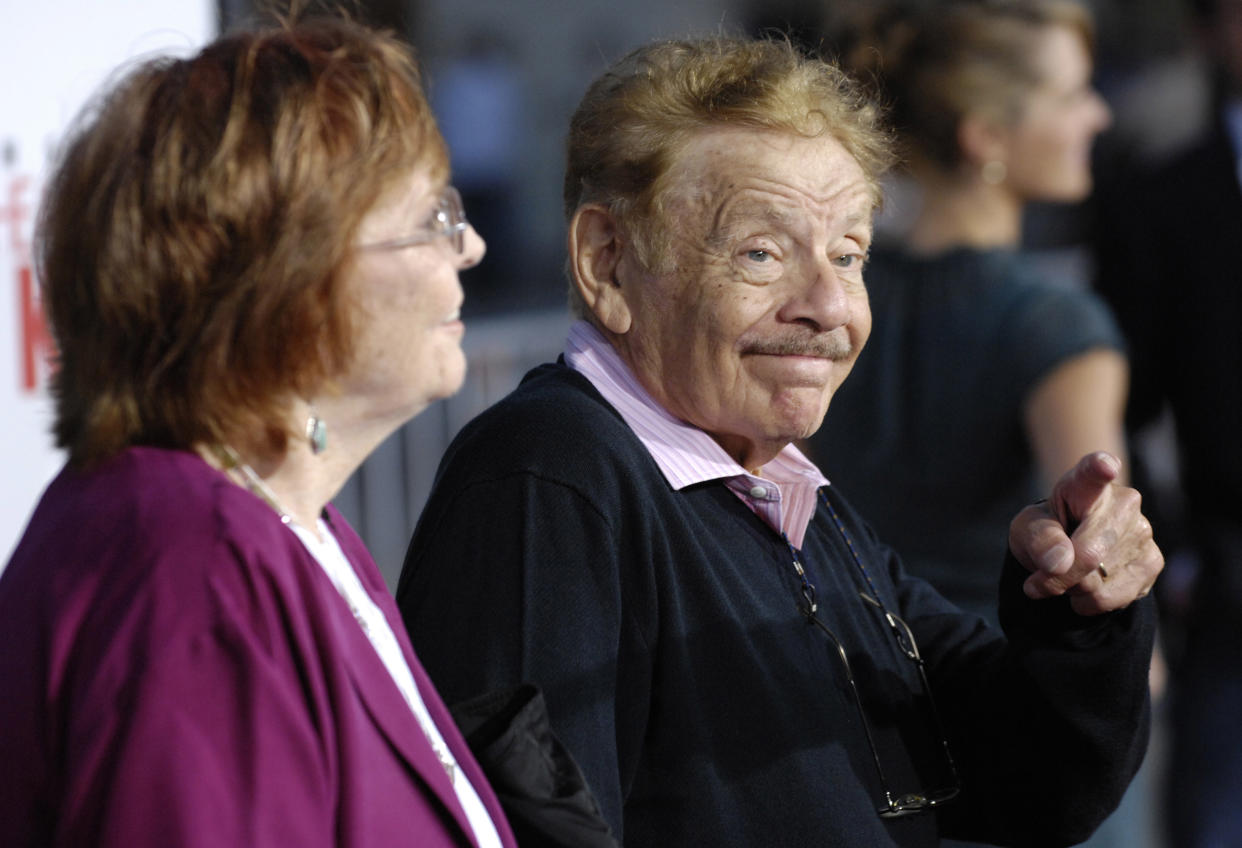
{"points": [[316, 433]]}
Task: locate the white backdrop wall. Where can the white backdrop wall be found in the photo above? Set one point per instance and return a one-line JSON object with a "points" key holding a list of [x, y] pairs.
{"points": [[54, 54]]}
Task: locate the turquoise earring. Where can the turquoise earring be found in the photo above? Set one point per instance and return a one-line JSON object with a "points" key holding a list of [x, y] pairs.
{"points": [[316, 433]]}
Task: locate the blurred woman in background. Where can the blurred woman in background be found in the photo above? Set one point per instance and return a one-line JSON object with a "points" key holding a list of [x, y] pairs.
{"points": [[984, 378], [249, 260]]}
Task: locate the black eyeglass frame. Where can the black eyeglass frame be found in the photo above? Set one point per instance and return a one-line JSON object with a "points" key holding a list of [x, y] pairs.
{"points": [[894, 806]]}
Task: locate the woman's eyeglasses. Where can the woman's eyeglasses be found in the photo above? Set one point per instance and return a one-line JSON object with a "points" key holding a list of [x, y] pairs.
{"points": [[448, 220]]}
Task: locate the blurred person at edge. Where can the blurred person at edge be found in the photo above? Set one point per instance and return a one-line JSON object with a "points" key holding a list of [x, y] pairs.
{"points": [[1168, 244], [727, 649], [242, 252], [993, 109]]}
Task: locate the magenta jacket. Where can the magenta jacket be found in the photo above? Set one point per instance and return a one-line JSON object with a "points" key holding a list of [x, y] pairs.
{"points": [[176, 670]]}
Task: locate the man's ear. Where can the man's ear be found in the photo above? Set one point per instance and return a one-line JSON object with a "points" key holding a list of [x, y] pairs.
{"points": [[595, 246]]}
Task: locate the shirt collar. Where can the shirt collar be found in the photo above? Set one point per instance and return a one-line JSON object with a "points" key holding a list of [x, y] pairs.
{"points": [[685, 454]]}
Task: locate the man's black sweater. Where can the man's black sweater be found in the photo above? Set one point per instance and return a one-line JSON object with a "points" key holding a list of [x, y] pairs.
{"points": [[667, 633]]}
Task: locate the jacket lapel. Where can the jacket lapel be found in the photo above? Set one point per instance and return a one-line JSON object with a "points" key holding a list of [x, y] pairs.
{"points": [[452, 736], [396, 722], [382, 699]]}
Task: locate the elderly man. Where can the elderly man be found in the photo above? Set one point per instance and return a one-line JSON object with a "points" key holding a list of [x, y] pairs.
{"points": [[725, 648]]}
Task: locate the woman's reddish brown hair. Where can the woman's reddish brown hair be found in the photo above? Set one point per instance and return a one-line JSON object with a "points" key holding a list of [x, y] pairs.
{"points": [[195, 236]]}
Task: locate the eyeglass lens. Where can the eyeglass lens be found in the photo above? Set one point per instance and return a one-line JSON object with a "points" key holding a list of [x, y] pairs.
{"points": [[451, 217]]}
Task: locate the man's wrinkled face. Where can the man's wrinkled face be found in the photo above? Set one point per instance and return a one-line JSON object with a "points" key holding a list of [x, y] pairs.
{"points": [[760, 310]]}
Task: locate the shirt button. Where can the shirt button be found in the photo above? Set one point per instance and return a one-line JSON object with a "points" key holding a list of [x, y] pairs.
{"points": [[758, 492]]}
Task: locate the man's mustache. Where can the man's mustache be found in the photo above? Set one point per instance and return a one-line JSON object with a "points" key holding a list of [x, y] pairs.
{"points": [[835, 345]]}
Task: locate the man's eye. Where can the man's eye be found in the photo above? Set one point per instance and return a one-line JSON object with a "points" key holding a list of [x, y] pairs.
{"points": [[848, 260], [758, 255]]}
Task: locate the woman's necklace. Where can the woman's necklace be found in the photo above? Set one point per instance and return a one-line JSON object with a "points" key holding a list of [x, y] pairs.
{"points": [[252, 481], [250, 478]]}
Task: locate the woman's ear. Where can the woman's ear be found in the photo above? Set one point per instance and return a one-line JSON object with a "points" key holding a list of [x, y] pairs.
{"points": [[982, 141], [595, 246]]}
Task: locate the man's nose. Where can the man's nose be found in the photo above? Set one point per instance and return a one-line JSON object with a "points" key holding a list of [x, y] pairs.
{"points": [[821, 299]]}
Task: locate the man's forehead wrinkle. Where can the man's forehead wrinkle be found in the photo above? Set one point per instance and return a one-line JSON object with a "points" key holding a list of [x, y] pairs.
{"points": [[789, 210], [725, 186], [743, 206]]}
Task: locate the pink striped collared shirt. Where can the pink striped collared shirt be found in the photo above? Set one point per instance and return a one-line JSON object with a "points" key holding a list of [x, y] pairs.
{"points": [[784, 497]]}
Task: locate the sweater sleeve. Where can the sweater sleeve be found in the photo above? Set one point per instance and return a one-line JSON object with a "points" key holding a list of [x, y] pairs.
{"points": [[1048, 723], [550, 548]]}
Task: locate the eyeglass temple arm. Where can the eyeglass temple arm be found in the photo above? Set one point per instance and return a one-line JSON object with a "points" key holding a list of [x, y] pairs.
{"points": [[902, 629], [862, 718]]}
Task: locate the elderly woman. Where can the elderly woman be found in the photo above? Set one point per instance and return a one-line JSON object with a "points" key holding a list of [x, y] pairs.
{"points": [[250, 262]]}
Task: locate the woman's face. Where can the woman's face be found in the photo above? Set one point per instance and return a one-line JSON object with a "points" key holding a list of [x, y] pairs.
{"points": [[408, 300], [1049, 148]]}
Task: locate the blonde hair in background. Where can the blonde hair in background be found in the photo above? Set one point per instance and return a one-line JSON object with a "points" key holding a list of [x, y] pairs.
{"points": [[932, 64]]}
